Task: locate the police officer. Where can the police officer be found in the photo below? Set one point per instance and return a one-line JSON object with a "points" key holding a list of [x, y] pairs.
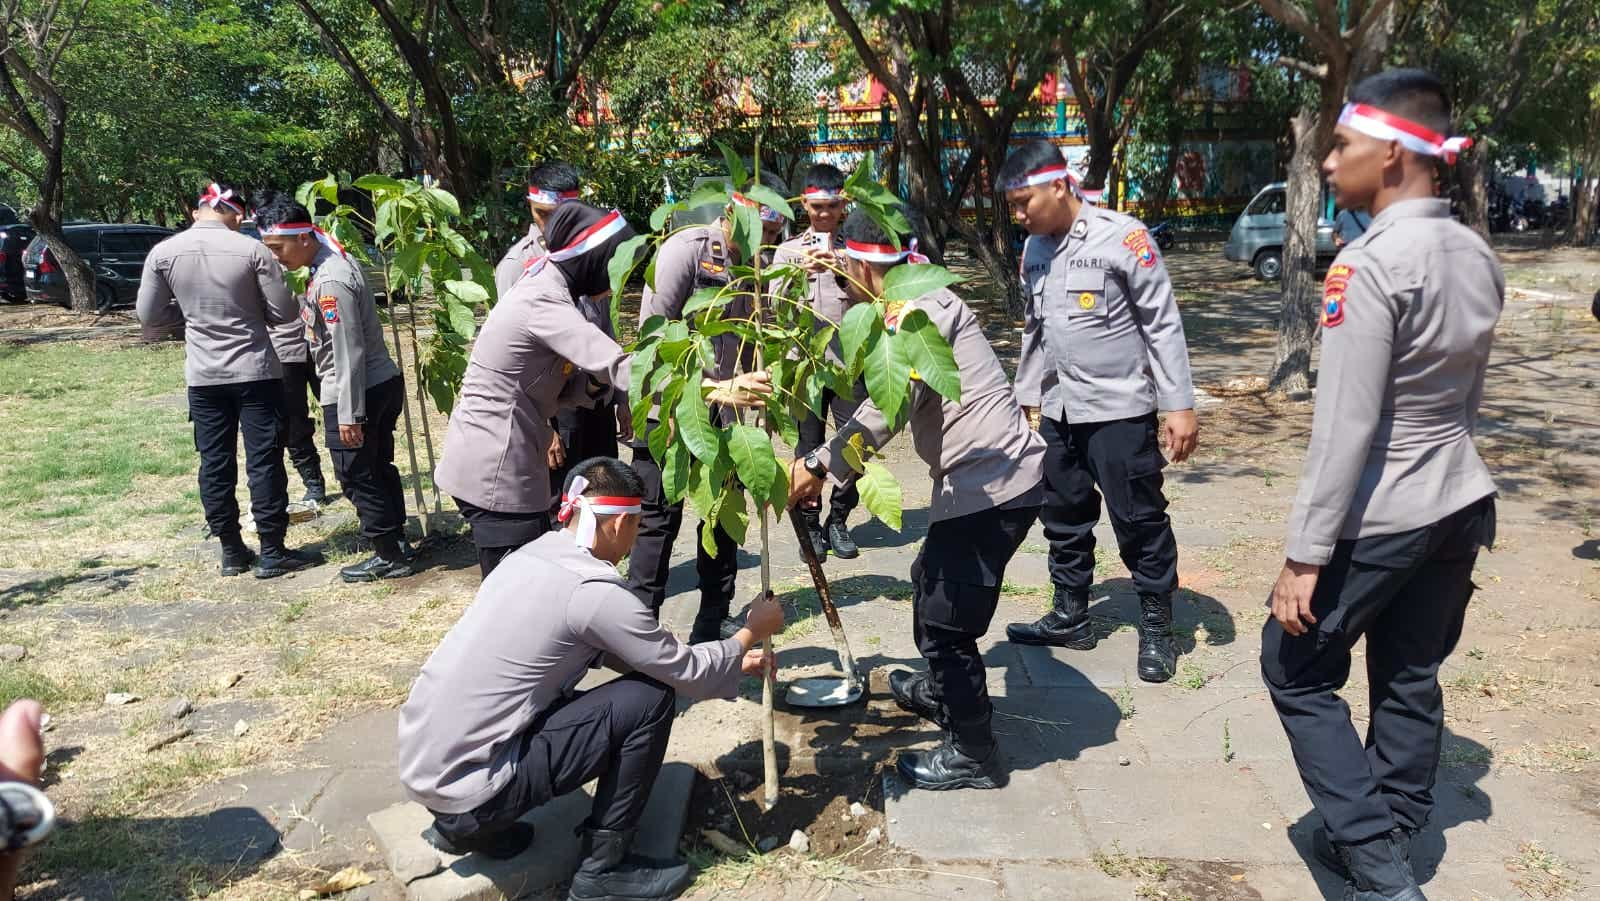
{"points": [[300, 376], [816, 250], [693, 258], [549, 185], [362, 392], [987, 467], [535, 354], [227, 293], [1394, 501], [1102, 351]]}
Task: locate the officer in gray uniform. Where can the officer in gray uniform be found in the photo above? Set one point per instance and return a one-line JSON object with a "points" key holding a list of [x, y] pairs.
{"points": [[694, 258], [1103, 350], [1394, 502], [363, 393], [300, 376], [987, 469], [227, 293], [817, 251]]}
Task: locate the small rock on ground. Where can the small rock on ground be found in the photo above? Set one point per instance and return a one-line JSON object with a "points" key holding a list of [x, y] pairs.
{"points": [[856, 810], [12, 653], [120, 698], [799, 843], [179, 709]]}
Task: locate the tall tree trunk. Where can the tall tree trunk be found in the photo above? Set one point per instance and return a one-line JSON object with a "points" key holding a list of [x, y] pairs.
{"points": [[1299, 304], [1102, 148], [1587, 193], [1472, 182]]}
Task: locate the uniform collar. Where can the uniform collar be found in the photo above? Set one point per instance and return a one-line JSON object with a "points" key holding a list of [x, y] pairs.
{"points": [[1417, 208], [322, 257], [209, 223], [1081, 226]]}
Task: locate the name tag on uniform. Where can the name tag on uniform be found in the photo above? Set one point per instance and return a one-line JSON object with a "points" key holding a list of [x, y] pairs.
{"points": [[711, 267]]}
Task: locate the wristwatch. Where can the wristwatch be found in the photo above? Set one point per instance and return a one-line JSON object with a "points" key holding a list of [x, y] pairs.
{"points": [[814, 466]]}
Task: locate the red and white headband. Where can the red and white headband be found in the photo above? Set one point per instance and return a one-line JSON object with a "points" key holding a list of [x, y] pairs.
{"points": [[305, 228], [1374, 122], [768, 214], [573, 502], [812, 192], [590, 238], [215, 196], [547, 197], [883, 253], [1047, 174]]}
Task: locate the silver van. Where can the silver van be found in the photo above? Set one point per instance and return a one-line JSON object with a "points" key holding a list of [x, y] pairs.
{"points": [[1257, 236]]}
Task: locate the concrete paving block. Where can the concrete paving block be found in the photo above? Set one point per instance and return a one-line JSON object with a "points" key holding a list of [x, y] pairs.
{"points": [[1031, 818], [1294, 882], [551, 859], [1191, 811], [245, 816], [1177, 724], [1079, 881], [1038, 726], [366, 741], [335, 828]]}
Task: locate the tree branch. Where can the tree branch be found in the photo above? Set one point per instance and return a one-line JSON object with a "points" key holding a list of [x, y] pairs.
{"points": [[560, 91], [347, 61], [1319, 71]]}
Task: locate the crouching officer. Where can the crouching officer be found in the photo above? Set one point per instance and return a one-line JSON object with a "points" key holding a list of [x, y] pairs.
{"points": [[1103, 350], [816, 251], [987, 468], [362, 391], [1394, 501], [494, 728], [228, 294], [693, 258]]}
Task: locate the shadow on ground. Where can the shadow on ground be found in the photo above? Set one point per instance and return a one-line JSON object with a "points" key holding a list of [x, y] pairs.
{"points": [[106, 857]]}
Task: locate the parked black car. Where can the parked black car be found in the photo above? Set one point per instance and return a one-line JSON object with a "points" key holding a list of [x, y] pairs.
{"points": [[14, 240], [115, 253]]}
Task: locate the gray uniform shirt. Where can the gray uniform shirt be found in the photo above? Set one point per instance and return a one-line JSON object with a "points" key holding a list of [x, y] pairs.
{"points": [[1409, 310], [345, 336], [1102, 338], [980, 452], [539, 621], [289, 342], [823, 292], [510, 267], [521, 372], [692, 259], [226, 290]]}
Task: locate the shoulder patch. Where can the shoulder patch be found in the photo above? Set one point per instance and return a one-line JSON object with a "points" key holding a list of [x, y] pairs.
{"points": [[1333, 288], [329, 305], [1138, 242]]}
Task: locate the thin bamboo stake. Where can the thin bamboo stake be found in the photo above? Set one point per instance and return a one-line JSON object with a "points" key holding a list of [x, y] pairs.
{"points": [[847, 660], [769, 739], [422, 406], [411, 441]]}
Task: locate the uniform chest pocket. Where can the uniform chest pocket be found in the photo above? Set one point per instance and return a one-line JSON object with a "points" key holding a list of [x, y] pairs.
{"points": [[1086, 293]]}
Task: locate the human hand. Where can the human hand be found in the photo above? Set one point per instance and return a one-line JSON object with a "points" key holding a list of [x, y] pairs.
{"points": [[557, 454], [765, 617], [757, 662], [624, 422], [803, 483], [21, 760], [1183, 434], [352, 436], [1291, 597], [819, 260], [749, 389]]}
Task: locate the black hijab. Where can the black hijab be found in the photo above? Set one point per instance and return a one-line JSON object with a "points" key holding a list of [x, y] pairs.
{"points": [[588, 271]]}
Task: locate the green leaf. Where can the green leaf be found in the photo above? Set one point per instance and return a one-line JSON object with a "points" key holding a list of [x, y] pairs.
{"points": [[650, 274], [752, 454], [919, 341], [736, 169], [880, 494], [855, 453], [860, 324], [693, 421], [746, 230], [640, 368], [675, 471], [659, 217], [407, 262], [674, 341], [461, 321], [650, 327], [379, 183], [443, 202], [888, 375], [782, 423], [701, 299], [910, 282], [470, 293], [733, 514], [712, 192], [622, 263], [764, 194], [778, 494]]}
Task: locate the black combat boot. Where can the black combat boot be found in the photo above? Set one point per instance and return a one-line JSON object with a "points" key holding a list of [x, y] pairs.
{"points": [[844, 547], [610, 873], [237, 558], [1328, 855], [1067, 625], [712, 624], [913, 692], [277, 560], [967, 758], [316, 491], [389, 562], [1379, 869], [1158, 654], [812, 517], [502, 844]]}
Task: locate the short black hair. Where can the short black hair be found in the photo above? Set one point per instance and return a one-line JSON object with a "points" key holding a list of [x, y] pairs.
{"points": [[1412, 94], [280, 207], [555, 175], [1035, 154], [607, 476], [861, 227], [826, 176]]}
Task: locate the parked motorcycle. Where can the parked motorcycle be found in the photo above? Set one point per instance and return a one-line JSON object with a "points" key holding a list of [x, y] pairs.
{"points": [[1164, 235]]}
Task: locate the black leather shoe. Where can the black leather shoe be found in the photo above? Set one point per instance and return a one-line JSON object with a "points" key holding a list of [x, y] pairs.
{"points": [[1158, 653], [844, 547], [280, 561], [1327, 855], [611, 872], [237, 559], [814, 531], [913, 692], [501, 845], [376, 567], [316, 493], [1379, 869], [1067, 625], [713, 627], [946, 767]]}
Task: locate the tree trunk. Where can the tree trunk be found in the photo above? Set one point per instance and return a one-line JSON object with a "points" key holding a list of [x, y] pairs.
{"points": [[1102, 147], [1472, 178], [1299, 300]]}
